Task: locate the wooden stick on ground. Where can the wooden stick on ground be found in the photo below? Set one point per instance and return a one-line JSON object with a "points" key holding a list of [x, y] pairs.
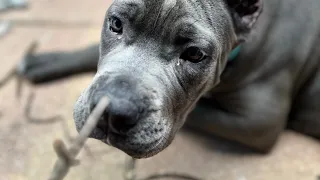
{"points": [[66, 157]]}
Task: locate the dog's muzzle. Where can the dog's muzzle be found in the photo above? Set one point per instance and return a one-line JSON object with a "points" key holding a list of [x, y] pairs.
{"points": [[133, 120], [126, 106]]}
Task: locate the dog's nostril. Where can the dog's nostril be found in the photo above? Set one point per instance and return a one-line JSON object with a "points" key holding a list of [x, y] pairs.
{"points": [[103, 122], [121, 124]]}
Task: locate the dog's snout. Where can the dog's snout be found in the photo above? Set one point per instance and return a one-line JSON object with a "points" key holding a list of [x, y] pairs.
{"points": [[122, 86], [120, 117], [123, 112]]}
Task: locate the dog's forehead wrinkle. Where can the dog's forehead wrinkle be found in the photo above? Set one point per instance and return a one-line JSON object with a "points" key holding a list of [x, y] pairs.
{"points": [[131, 9], [196, 31], [214, 14], [160, 15], [212, 20], [167, 7]]}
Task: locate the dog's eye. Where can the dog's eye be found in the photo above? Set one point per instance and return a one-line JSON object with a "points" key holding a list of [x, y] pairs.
{"points": [[193, 54], [115, 25]]}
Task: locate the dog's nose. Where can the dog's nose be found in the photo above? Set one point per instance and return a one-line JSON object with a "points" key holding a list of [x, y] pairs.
{"points": [[122, 116], [122, 113]]}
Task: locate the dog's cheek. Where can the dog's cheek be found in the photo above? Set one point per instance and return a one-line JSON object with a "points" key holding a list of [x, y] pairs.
{"points": [[196, 76]]}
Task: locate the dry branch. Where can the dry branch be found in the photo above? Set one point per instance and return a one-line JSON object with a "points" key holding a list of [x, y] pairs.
{"points": [[70, 139], [35, 120], [171, 175], [66, 157], [129, 171], [7, 77], [16, 72]]}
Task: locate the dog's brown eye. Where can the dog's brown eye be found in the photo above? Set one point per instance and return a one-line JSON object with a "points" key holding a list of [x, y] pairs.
{"points": [[193, 54], [115, 25]]}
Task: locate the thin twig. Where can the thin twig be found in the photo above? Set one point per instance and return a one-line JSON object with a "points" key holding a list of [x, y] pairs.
{"points": [[129, 171], [17, 72], [35, 120], [20, 76], [65, 161], [50, 120], [70, 139], [13, 74], [19, 88], [10, 75], [63, 153], [171, 175]]}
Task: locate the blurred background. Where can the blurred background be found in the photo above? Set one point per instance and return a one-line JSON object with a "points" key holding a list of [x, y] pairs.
{"points": [[26, 144]]}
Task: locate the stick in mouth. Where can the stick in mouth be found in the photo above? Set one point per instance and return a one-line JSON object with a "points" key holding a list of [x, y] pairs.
{"points": [[66, 156]]}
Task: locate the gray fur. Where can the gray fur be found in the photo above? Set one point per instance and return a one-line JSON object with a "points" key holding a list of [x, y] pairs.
{"points": [[248, 101]]}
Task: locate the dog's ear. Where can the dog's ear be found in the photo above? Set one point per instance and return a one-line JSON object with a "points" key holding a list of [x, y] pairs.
{"points": [[244, 14]]}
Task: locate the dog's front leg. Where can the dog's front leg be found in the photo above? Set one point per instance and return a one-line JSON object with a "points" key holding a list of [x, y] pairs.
{"points": [[45, 67], [253, 116]]}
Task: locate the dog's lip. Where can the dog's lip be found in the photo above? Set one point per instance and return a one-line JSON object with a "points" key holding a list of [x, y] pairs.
{"points": [[105, 135], [155, 147], [151, 151], [133, 153]]}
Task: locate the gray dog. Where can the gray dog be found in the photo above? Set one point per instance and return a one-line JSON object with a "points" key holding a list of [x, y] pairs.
{"points": [[162, 62]]}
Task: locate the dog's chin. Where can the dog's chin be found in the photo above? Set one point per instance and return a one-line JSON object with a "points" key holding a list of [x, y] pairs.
{"points": [[129, 146]]}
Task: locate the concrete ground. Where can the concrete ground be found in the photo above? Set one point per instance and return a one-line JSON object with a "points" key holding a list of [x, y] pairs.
{"points": [[26, 149]]}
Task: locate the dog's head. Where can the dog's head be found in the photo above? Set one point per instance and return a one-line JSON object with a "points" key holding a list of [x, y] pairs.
{"points": [[157, 58]]}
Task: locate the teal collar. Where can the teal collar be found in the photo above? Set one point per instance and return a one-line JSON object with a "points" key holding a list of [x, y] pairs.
{"points": [[234, 53]]}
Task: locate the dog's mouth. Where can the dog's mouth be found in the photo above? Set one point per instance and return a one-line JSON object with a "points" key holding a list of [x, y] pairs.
{"points": [[130, 140]]}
